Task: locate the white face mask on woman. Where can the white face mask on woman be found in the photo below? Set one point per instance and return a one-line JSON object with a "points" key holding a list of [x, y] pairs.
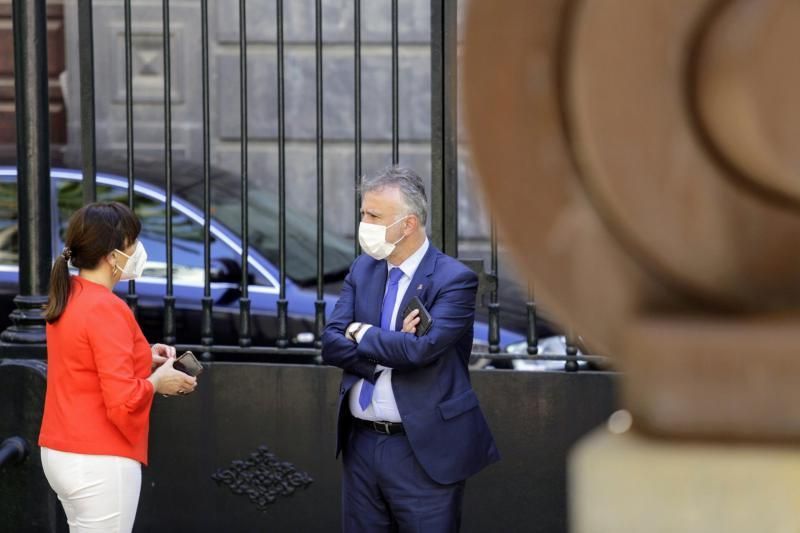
{"points": [[136, 262], [372, 238]]}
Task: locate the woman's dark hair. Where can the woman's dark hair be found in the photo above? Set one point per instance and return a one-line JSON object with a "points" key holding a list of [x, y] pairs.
{"points": [[94, 231]]}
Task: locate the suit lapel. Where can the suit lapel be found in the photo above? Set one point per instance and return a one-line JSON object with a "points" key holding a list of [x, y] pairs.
{"points": [[419, 283], [375, 287]]}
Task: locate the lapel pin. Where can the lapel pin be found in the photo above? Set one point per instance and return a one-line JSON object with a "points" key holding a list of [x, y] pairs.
{"points": [[419, 287]]}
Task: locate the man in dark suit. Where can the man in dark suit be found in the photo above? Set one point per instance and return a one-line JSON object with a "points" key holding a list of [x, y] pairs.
{"points": [[410, 427]]}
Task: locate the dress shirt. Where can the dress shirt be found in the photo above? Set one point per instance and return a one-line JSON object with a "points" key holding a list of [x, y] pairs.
{"points": [[384, 406]]}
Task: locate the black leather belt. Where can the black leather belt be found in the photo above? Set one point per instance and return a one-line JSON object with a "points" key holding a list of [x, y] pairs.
{"points": [[385, 428]]}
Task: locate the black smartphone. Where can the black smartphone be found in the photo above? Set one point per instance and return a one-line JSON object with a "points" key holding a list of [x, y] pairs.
{"points": [[425, 320], [188, 364]]}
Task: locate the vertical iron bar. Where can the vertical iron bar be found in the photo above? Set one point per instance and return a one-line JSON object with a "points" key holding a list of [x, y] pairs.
{"points": [[33, 176], [395, 86], [169, 298], [320, 303], [131, 297], [283, 304], [571, 365], [206, 331], [494, 306], [533, 337], [444, 126], [88, 131], [357, 105], [244, 302]]}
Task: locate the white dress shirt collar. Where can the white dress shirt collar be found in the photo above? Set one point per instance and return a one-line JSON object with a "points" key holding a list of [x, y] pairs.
{"points": [[410, 265]]}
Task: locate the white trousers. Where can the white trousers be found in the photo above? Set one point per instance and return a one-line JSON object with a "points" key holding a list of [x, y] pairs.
{"points": [[98, 492]]}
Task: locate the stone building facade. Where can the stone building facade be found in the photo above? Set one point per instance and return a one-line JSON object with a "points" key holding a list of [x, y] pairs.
{"points": [[300, 86]]}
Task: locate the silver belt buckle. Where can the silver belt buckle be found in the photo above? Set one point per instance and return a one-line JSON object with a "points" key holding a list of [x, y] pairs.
{"points": [[382, 427]]}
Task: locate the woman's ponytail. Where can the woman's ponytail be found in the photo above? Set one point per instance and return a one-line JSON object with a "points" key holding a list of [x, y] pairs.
{"points": [[59, 288]]}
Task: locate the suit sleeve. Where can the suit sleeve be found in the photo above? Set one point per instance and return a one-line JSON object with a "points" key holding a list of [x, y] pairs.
{"points": [[453, 314], [127, 398], [338, 350]]}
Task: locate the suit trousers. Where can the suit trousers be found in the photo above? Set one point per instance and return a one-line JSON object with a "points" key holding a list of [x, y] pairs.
{"points": [[384, 488], [98, 492]]}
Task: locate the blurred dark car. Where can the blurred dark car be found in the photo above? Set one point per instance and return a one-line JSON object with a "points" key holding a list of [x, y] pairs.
{"points": [[188, 270]]}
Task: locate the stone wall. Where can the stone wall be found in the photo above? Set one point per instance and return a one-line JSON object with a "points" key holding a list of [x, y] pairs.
{"points": [[300, 84]]}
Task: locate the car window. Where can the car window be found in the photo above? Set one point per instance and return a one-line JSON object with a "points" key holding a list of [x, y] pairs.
{"points": [[301, 230], [9, 227], [301, 225], [187, 234]]}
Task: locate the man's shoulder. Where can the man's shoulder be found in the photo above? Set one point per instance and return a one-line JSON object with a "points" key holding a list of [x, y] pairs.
{"points": [[452, 268], [363, 263]]}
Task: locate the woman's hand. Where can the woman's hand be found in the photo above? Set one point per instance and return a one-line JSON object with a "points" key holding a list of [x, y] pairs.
{"points": [[162, 352], [410, 322], [170, 382]]}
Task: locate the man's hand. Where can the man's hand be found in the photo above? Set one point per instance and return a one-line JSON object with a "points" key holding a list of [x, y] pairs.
{"points": [[161, 352], [411, 321]]}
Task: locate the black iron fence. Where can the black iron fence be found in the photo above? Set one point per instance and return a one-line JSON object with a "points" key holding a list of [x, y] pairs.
{"points": [[27, 333], [550, 411]]}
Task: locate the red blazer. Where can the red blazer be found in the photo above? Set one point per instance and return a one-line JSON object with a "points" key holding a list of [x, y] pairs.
{"points": [[98, 361]]}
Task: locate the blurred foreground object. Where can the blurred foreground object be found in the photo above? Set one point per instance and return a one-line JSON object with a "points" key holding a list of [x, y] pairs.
{"points": [[646, 152]]}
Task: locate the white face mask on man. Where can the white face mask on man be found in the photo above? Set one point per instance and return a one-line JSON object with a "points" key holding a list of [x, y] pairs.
{"points": [[372, 238], [136, 262]]}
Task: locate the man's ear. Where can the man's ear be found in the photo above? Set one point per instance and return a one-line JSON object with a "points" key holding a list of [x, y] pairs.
{"points": [[412, 223]]}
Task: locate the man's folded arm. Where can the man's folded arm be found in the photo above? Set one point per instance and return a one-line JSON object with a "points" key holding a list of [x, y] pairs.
{"points": [[453, 312], [337, 350]]}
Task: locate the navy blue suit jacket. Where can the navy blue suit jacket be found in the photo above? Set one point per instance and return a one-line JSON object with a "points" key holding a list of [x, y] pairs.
{"points": [[430, 380]]}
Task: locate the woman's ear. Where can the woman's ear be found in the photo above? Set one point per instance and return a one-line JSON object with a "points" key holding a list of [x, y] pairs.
{"points": [[111, 259]]}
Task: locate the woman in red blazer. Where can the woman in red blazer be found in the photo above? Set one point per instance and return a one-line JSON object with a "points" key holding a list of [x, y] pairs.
{"points": [[100, 378]]}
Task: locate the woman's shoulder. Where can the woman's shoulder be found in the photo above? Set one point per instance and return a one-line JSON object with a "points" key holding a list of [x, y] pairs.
{"points": [[94, 297]]}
